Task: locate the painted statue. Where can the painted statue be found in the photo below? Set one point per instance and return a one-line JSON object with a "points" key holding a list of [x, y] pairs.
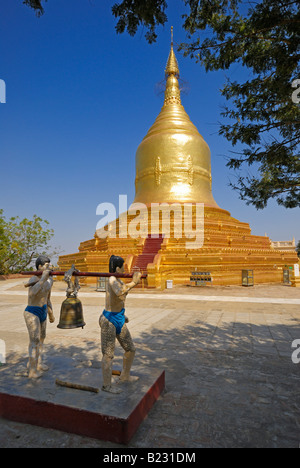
{"points": [[113, 326], [35, 314]]}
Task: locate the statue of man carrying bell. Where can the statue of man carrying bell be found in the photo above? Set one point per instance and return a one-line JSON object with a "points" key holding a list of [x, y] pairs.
{"points": [[35, 314], [113, 325]]}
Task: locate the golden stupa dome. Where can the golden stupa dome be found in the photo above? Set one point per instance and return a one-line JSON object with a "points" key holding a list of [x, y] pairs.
{"points": [[173, 160]]}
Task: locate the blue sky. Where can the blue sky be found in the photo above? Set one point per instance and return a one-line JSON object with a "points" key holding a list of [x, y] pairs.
{"points": [[80, 99]]}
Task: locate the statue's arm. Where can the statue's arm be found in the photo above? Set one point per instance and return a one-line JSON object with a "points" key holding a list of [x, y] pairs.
{"points": [[121, 289], [118, 288], [38, 286], [50, 308]]}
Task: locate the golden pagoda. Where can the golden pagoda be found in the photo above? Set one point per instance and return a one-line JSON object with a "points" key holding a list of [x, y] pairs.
{"points": [[173, 170]]}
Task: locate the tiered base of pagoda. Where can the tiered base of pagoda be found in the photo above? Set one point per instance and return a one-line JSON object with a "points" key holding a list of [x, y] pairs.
{"points": [[228, 248]]}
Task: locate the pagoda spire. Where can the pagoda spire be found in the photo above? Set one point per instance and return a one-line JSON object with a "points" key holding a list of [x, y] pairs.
{"points": [[172, 64], [172, 93]]}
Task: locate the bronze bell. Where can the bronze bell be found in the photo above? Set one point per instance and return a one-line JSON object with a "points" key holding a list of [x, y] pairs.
{"points": [[71, 314]]}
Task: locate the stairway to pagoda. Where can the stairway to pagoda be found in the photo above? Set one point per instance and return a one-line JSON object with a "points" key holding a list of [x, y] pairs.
{"points": [[151, 248]]}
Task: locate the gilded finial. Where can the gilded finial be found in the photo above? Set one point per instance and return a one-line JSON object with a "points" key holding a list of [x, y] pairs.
{"points": [[172, 64], [172, 93]]}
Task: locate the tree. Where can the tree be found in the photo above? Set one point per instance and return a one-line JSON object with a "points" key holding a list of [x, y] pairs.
{"points": [[4, 244], [36, 5], [261, 117], [133, 13], [22, 241]]}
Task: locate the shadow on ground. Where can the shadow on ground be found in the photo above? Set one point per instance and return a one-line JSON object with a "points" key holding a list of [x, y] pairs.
{"points": [[230, 389]]}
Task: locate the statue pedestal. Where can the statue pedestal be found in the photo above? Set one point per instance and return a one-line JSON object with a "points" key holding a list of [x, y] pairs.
{"points": [[102, 415]]}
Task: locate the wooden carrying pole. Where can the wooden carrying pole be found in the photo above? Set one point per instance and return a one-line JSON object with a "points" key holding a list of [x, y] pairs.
{"points": [[76, 386], [83, 273], [88, 388]]}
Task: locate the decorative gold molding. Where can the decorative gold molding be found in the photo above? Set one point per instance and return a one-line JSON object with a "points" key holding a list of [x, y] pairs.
{"points": [[157, 170], [162, 169], [190, 170]]}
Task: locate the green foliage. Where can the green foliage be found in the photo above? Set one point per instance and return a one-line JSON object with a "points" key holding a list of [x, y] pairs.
{"points": [[262, 116], [135, 13], [4, 244], [262, 37], [22, 241], [36, 5]]}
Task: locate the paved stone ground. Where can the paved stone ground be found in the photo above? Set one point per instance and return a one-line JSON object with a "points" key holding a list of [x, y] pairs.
{"points": [[230, 379]]}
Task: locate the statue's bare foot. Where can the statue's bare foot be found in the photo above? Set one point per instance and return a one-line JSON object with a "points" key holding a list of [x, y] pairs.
{"points": [[129, 378], [51, 317], [110, 389], [22, 372], [43, 368], [34, 374]]}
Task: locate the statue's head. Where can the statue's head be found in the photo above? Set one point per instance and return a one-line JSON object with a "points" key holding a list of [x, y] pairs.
{"points": [[116, 264], [41, 262]]}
